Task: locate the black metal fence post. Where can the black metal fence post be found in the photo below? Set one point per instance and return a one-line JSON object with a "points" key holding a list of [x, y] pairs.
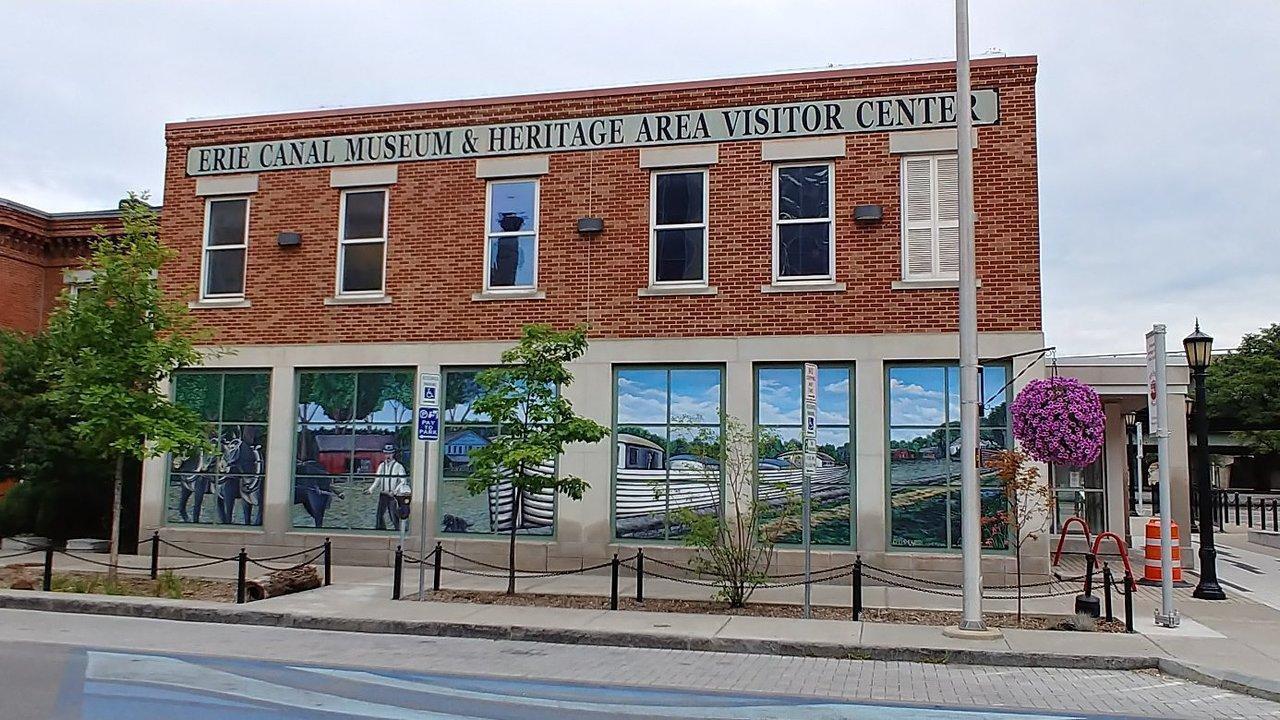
{"points": [[47, 585], [1275, 515], [155, 554], [857, 588], [1248, 508], [328, 561], [395, 581], [1262, 512], [1107, 582], [242, 560], [435, 579], [640, 575], [1128, 601], [613, 592], [1237, 508]]}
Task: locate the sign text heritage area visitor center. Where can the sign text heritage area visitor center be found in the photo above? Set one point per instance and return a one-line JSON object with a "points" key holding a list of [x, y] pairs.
{"points": [[715, 236]]}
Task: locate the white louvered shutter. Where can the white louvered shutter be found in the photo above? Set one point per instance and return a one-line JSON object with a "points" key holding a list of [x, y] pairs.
{"points": [[917, 216], [948, 253]]}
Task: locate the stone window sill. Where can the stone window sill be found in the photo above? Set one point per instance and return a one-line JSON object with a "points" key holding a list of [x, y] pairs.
{"points": [[212, 303], [359, 300], [928, 284], [492, 295], [667, 290], [800, 287]]}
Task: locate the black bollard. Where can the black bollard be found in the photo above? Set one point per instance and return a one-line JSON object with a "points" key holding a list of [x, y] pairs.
{"points": [[243, 561], [395, 581], [328, 561], [640, 575], [613, 593], [435, 580], [1128, 602], [1107, 581], [857, 588], [155, 554], [1086, 603], [47, 585]]}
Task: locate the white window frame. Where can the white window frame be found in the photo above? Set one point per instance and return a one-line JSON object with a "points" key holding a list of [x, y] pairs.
{"points": [[343, 242], [935, 223], [207, 248], [654, 227], [830, 220], [490, 235]]}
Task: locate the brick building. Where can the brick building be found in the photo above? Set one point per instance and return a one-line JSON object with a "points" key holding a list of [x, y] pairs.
{"points": [[714, 235], [40, 256]]}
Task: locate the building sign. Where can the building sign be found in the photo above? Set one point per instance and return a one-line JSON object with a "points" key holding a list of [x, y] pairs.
{"points": [[428, 423], [753, 122]]}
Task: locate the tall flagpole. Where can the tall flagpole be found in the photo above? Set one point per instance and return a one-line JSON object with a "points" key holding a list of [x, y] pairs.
{"points": [[971, 620]]}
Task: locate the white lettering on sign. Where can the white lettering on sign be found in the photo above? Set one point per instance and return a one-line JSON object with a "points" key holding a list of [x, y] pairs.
{"points": [[754, 122]]}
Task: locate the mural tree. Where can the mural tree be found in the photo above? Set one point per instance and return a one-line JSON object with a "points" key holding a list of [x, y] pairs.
{"points": [[113, 344], [523, 397]]}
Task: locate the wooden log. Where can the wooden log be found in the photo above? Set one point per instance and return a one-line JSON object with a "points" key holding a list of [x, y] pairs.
{"points": [[282, 582]]}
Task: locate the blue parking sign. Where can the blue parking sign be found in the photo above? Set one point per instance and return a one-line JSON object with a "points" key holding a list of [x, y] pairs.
{"points": [[428, 423]]}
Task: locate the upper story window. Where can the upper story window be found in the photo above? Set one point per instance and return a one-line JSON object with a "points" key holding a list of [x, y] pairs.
{"points": [[678, 223], [511, 246], [803, 246], [226, 237], [930, 218], [362, 244]]}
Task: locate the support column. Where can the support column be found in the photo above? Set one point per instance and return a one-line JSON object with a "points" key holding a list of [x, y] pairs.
{"points": [[869, 436]]}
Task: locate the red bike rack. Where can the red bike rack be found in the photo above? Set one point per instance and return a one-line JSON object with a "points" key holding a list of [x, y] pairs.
{"points": [[1124, 552], [1062, 537]]}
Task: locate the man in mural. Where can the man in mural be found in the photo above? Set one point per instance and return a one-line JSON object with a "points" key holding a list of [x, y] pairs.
{"points": [[195, 478], [390, 481]]}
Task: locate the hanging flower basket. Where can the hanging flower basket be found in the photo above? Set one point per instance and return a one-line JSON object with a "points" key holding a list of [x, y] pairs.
{"points": [[1059, 421]]}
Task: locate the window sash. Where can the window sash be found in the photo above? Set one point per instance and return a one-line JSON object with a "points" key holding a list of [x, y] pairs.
{"points": [[490, 235], [243, 245], [343, 242], [654, 227], [829, 220], [932, 220]]}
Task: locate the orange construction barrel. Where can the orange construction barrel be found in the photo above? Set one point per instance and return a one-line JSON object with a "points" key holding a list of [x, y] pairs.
{"points": [[1151, 566]]}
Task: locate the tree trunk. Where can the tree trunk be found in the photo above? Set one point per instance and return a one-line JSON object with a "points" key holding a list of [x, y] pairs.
{"points": [[511, 556], [1017, 558], [114, 544], [283, 582]]}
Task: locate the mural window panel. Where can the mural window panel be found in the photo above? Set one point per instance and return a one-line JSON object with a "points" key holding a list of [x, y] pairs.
{"points": [[353, 448], [780, 454], [918, 517], [924, 449], [223, 484], [667, 438], [493, 510]]}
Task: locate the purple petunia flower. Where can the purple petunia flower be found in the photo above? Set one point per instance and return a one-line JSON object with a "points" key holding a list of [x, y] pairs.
{"points": [[1060, 421]]}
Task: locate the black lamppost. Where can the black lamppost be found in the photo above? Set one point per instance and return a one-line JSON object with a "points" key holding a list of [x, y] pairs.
{"points": [[1130, 451], [1199, 349]]}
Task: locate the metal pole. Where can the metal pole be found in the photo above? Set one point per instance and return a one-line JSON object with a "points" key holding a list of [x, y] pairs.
{"points": [[1131, 436], [640, 575], [613, 584], [809, 417], [422, 521], [328, 561], [1128, 601], [970, 506], [47, 584], [1138, 451], [435, 571], [1167, 615], [857, 588], [242, 563], [397, 574], [1107, 582], [155, 554]]}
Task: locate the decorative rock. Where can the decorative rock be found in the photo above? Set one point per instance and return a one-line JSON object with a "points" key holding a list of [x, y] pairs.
{"points": [[88, 545]]}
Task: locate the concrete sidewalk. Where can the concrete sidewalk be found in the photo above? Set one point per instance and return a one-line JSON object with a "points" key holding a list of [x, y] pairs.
{"points": [[1233, 644]]}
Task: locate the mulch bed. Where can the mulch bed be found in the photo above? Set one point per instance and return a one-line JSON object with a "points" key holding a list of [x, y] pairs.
{"points": [[708, 607], [28, 577]]}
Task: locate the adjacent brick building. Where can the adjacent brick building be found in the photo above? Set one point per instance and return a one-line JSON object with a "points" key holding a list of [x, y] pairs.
{"points": [[714, 236]]}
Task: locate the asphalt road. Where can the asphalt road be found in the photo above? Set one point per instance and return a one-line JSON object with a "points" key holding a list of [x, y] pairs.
{"points": [[105, 668]]}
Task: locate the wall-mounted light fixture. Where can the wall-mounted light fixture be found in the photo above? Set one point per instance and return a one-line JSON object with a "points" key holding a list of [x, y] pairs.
{"points": [[288, 239], [589, 226], [868, 213]]}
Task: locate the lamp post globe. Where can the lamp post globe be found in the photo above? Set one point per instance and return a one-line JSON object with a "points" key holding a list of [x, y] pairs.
{"points": [[1199, 349]]}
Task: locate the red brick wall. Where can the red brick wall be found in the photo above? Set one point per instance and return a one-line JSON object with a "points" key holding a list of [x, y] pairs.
{"points": [[436, 248], [22, 294]]}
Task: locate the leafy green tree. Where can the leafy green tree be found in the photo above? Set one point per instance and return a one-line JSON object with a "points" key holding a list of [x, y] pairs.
{"points": [[1244, 389], [113, 344], [63, 488], [523, 397]]}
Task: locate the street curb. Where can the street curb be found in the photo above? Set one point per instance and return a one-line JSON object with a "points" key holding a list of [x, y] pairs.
{"points": [[245, 615], [160, 609]]}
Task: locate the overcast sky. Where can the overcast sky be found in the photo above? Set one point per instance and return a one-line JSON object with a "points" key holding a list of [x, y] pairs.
{"points": [[1159, 188]]}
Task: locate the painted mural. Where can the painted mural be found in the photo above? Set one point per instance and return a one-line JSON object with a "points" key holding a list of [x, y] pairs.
{"points": [[464, 430], [352, 449], [667, 448], [780, 452], [924, 452], [222, 485]]}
